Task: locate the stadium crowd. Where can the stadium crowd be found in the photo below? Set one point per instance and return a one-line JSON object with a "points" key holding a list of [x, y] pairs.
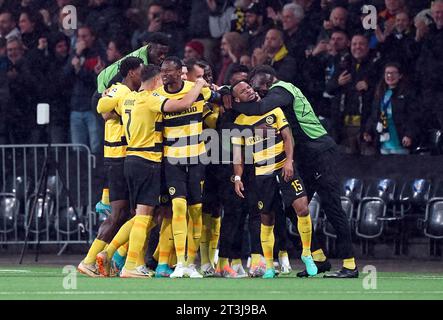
{"points": [[374, 90]]}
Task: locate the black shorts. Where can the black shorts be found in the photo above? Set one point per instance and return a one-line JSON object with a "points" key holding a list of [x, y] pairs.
{"points": [[213, 186], [143, 178], [165, 199], [185, 181], [271, 187], [118, 188]]}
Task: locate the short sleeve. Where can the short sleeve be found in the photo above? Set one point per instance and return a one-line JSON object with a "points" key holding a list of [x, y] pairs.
{"points": [[156, 102], [282, 122]]}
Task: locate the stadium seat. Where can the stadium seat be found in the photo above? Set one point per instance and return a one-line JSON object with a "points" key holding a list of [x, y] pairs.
{"points": [[41, 218], [433, 221], [66, 221], [351, 193], [9, 209], [373, 208]]}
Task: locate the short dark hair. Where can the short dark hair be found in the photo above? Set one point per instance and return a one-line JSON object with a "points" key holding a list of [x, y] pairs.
{"points": [[149, 72], [190, 63], [158, 38], [128, 64], [339, 30], [262, 69], [235, 84], [236, 68], [122, 44], [175, 60]]}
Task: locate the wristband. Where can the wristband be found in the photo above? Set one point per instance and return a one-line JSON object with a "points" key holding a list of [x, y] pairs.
{"points": [[237, 178]]}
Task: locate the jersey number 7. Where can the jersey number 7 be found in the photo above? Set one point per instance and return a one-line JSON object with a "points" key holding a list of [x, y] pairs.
{"points": [[128, 112]]}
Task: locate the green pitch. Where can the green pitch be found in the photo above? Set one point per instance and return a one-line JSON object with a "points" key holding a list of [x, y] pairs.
{"points": [[48, 283]]}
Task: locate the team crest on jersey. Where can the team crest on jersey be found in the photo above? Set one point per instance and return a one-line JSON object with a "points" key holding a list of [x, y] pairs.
{"points": [[171, 191], [260, 205], [270, 120], [164, 199], [155, 94], [233, 179]]}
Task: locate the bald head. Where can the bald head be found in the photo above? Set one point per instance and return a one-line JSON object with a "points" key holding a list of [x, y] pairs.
{"points": [[273, 40], [338, 17]]}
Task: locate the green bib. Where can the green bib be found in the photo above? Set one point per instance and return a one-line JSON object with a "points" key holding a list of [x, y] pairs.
{"points": [[306, 118]]}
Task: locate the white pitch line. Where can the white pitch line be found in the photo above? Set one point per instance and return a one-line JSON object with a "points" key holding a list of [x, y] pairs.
{"points": [[14, 271], [74, 292]]}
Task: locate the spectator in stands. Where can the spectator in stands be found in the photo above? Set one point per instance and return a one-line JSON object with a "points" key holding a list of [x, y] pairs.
{"points": [[353, 85], [232, 47], [8, 27], [4, 92], [118, 47], [255, 29], [227, 18], [21, 116], [106, 20], [387, 16], [32, 28], [392, 122], [154, 23], [318, 70], [338, 19], [430, 69], [275, 53], [296, 38], [82, 69], [194, 49], [173, 28], [313, 18], [51, 56], [399, 43]]}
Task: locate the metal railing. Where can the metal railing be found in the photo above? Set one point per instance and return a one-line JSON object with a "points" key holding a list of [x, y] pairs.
{"points": [[66, 217]]}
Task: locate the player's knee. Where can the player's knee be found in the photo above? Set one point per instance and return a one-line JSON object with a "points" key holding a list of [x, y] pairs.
{"points": [[267, 218], [301, 207]]}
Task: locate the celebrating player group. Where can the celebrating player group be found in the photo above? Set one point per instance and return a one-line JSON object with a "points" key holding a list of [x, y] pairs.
{"points": [[188, 164]]}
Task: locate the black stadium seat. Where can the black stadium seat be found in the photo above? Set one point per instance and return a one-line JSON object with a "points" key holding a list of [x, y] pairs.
{"points": [[372, 210], [433, 221]]}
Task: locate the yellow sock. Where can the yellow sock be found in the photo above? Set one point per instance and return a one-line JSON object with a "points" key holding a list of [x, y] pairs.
{"points": [[255, 259], [204, 240], [349, 263], [318, 255], [96, 247], [141, 258], [236, 261], [166, 241], [222, 262], [120, 238], [304, 226], [172, 258], [179, 227], [105, 196], [267, 244], [195, 214], [123, 250], [137, 240], [215, 235]]}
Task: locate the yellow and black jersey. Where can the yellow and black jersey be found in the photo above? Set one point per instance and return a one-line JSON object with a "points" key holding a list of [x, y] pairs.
{"points": [[268, 152], [211, 113], [142, 120], [115, 141], [182, 130]]}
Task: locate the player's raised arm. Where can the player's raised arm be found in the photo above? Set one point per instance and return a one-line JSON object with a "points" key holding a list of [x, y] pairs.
{"points": [[173, 105]]}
